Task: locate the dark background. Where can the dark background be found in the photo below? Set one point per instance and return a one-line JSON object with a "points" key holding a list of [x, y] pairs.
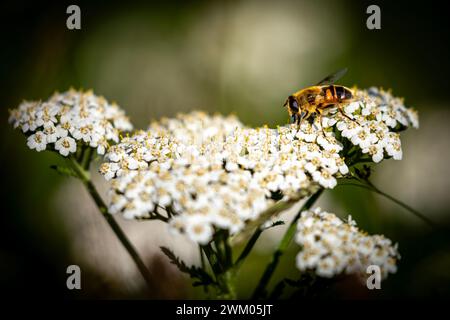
{"points": [[156, 59]]}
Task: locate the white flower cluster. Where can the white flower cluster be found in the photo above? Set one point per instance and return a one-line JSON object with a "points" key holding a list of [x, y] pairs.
{"points": [[377, 118], [214, 172], [331, 247], [68, 119]]}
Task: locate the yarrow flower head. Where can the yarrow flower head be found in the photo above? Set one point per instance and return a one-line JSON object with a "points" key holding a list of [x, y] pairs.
{"points": [[331, 247], [68, 120], [212, 172], [372, 123]]}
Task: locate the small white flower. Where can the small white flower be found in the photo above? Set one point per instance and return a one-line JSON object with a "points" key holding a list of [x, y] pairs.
{"points": [[51, 133], [62, 129], [108, 170], [198, 229], [390, 118], [329, 143], [102, 146], [326, 267], [328, 122], [132, 210], [82, 132], [348, 128], [307, 260], [413, 117], [352, 107], [342, 167], [394, 147], [117, 203], [65, 146], [395, 150], [325, 178], [375, 151], [363, 137], [308, 133], [37, 141]]}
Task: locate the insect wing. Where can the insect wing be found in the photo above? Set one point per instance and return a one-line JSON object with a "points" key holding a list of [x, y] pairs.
{"points": [[332, 78]]}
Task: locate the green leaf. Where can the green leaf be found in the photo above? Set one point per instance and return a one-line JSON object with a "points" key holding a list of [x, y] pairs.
{"points": [[65, 171], [194, 272], [175, 260]]}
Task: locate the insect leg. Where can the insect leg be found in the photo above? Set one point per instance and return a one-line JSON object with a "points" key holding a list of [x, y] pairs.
{"points": [[339, 106], [293, 118], [299, 117], [302, 115], [319, 119]]}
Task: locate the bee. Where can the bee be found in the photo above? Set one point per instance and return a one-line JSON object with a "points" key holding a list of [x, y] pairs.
{"points": [[312, 101]]}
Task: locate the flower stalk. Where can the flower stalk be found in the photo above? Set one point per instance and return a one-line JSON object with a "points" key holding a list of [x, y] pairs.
{"points": [[81, 169], [366, 184], [222, 271], [248, 248]]}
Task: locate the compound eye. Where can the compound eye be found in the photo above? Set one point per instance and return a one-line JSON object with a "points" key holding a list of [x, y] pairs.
{"points": [[348, 94], [340, 92], [293, 104]]}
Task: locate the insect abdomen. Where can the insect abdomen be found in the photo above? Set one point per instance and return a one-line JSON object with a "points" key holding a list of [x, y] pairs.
{"points": [[335, 94]]}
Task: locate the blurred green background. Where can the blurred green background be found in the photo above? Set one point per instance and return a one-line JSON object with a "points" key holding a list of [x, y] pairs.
{"points": [[159, 58]]}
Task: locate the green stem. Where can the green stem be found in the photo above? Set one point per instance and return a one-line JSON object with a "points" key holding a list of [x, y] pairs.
{"points": [[212, 257], [85, 178], [228, 252], [248, 248], [80, 153], [203, 265], [282, 247], [86, 158], [371, 187], [226, 284], [224, 276]]}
